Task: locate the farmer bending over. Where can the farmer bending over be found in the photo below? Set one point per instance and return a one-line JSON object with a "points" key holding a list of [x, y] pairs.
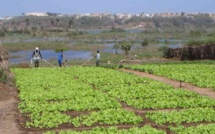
{"points": [[36, 56]]}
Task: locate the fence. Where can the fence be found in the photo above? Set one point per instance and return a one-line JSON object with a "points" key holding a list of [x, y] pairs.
{"points": [[192, 52]]}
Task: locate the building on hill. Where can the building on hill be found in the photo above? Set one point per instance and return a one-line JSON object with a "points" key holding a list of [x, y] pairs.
{"points": [[35, 14]]}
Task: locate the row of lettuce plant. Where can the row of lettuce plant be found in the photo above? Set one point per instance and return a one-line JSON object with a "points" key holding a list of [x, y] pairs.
{"points": [[113, 130], [201, 75], [145, 93], [194, 115], [141, 93], [200, 129], [110, 117], [48, 92]]}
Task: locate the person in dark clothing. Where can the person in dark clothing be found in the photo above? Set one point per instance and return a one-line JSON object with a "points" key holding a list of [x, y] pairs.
{"points": [[36, 56], [60, 58]]}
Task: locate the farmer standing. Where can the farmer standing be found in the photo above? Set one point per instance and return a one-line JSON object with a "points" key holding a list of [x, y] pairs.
{"points": [[36, 56], [97, 58], [60, 57]]}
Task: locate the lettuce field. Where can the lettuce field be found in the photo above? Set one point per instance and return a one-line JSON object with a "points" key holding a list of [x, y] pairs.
{"points": [[201, 75], [92, 100]]}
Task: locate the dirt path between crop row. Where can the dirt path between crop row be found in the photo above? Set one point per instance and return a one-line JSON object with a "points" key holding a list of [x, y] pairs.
{"points": [[176, 84], [8, 110]]}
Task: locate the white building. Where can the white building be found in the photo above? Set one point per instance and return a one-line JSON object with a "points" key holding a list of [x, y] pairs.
{"points": [[124, 15], [36, 14], [6, 18]]}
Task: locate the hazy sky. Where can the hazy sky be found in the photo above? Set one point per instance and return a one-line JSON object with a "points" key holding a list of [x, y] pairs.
{"points": [[17, 7]]}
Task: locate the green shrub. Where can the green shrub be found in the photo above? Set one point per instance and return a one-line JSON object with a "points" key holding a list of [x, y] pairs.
{"points": [[3, 76], [164, 50], [2, 34]]}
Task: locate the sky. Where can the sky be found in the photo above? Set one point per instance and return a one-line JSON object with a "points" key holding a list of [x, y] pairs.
{"points": [[17, 7]]}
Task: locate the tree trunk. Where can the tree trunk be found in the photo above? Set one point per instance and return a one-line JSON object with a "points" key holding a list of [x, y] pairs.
{"points": [[116, 51]]}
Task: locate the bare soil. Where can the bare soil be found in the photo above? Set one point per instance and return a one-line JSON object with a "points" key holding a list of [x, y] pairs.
{"points": [[8, 110]]}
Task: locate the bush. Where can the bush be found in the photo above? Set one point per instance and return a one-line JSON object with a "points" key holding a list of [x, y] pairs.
{"points": [[3, 76], [2, 34], [145, 42], [76, 33], [200, 42], [59, 49], [151, 71], [111, 66], [164, 50], [195, 43], [117, 30], [56, 30], [121, 66]]}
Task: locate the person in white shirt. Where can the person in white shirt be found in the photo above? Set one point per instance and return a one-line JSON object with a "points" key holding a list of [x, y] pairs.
{"points": [[97, 58], [36, 56]]}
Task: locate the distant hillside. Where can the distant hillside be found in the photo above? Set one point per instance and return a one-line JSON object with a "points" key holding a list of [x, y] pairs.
{"points": [[65, 23]]}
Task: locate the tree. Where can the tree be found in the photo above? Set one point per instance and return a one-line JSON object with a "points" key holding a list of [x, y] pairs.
{"points": [[126, 46], [57, 22], [2, 34], [27, 22], [34, 30], [145, 43], [71, 22], [15, 28], [182, 13], [164, 50], [52, 23], [113, 29], [116, 46], [203, 20]]}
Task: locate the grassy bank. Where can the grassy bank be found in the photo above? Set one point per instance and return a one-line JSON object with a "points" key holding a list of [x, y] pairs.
{"points": [[20, 46]]}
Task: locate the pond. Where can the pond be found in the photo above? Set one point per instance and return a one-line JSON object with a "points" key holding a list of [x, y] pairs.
{"points": [[25, 56], [97, 31], [172, 45]]}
